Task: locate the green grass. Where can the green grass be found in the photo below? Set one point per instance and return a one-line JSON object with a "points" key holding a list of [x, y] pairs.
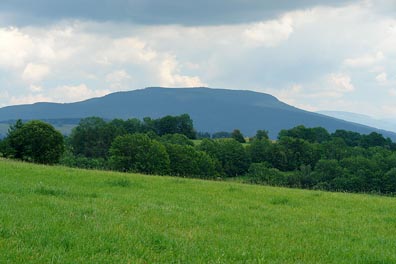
{"points": [[63, 215]]}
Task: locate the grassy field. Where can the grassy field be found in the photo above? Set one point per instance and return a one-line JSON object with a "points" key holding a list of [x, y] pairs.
{"points": [[63, 215]]}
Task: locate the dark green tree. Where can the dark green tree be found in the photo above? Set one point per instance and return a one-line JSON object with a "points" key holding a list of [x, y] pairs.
{"points": [[325, 172], [6, 148], [185, 160], [260, 150], [261, 134], [182, 124], [92, 138], [389, 182], [35, 141], [238, 136], [373, 140], [363, 174], [139, 153], [352, 139], [336, 148], [312, 135], [233, 157], [134, 125], [297, 152]]}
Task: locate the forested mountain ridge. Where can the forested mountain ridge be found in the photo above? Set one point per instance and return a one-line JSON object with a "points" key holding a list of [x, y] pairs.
{"points": [[211, 109]]}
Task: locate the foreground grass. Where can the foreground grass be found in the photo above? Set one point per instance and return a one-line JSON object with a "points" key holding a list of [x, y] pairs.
{"points": [[63, 215]]}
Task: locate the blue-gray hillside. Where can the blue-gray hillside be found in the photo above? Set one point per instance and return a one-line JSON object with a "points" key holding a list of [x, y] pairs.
{"points": [[211, 109], [386, 124]]}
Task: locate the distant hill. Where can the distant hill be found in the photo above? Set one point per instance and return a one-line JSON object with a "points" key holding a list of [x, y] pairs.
{"points": [[211, 109], [386, 124]]}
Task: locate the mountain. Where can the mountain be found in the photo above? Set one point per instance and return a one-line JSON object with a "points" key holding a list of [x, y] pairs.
{"points": [[386, 124], [211, 109]]}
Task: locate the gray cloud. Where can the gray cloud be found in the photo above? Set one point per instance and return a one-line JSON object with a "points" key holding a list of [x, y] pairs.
{"points": [[185, 12]]}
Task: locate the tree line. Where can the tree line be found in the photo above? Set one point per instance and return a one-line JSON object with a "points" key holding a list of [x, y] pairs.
{"points": [[301, 157]]}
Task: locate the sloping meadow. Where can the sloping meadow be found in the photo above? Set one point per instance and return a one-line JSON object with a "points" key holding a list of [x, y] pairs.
{"points": [[63, 215]]}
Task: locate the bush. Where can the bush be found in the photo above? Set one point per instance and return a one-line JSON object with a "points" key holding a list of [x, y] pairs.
{"points": [[69, 160], [261, 173]]}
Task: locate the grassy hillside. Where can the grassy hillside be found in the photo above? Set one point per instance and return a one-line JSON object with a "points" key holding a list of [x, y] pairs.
{"points": [[63, 215]]}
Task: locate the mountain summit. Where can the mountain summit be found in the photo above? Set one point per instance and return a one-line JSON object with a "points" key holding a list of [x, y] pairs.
{"points": [[211, 109]]}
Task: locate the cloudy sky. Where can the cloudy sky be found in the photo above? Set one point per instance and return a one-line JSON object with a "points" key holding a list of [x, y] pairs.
{"points": [[314, 54]]}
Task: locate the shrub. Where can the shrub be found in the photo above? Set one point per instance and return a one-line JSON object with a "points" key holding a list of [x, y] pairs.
{"points": [[261, 173]]}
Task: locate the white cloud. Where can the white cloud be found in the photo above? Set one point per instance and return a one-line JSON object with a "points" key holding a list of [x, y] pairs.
{"points": [[35, 72], [15, 47], [341, 83], [392, 92], [300, 47], [80, 92], [169, 75], [269, 33], [61, 94], [292, 95], [35, 88], [19, 46], [382, 78], [389, 111], [4, 95], [117, 79], [365, 60], [29, 99], [126, 50]]}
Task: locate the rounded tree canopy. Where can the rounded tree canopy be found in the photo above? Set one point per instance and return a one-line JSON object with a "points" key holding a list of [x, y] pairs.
{"points": [[36, 141]]}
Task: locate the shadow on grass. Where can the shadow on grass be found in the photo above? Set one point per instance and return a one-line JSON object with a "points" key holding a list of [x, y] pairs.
{"points": [[120, 182], [42, 189]]}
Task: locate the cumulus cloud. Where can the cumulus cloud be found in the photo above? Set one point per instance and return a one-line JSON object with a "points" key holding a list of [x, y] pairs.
{"points": [[341, 83], [35, 88], [4, 94], [365, 60], [15, 47], [292, 52], [18, 47], [382, 78], [270, 33], [126, 50], [117, 79], [170, 77], [29, 99], [35, 72], [75, 93], [392, 92], [61, 94]]}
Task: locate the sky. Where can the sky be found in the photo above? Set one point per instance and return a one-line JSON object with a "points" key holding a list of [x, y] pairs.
{"points": [[312, 54]]}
